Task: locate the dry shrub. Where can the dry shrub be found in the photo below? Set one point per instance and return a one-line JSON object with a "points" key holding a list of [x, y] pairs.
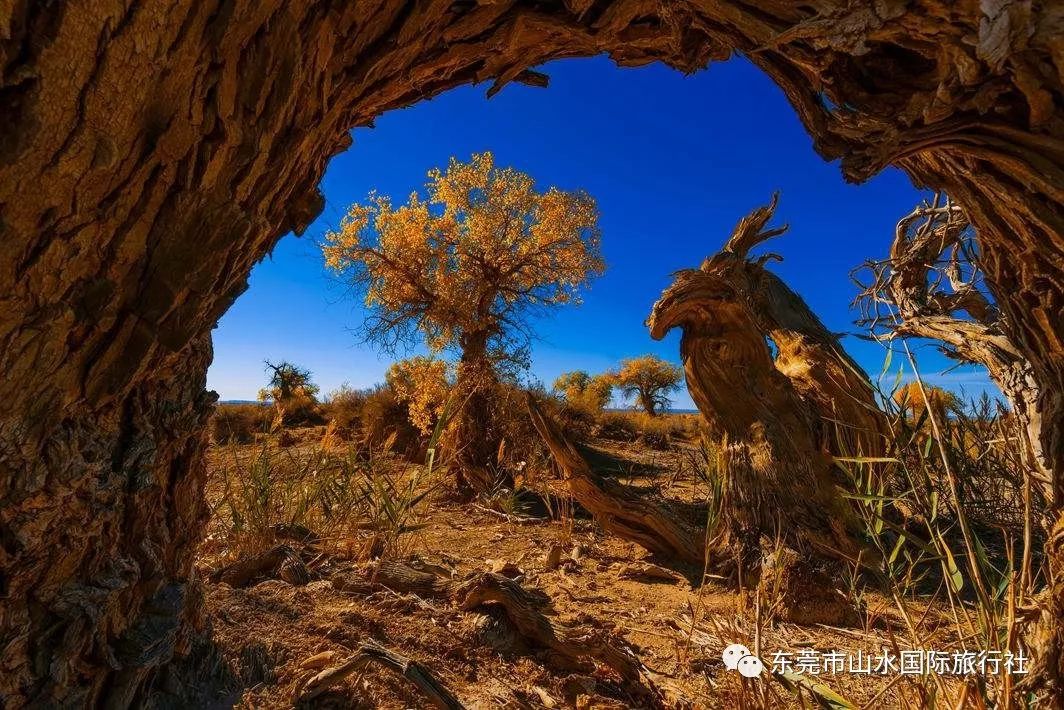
{"points": [[617, 426], [578, 421], [372, 417], [386, 419], [301, 412], [655, 432], [238, 423], [331, 439], [521, 452], [343, 410]]}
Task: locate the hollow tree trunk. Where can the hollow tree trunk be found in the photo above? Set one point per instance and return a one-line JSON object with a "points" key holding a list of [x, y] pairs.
{"points": [[151, 153]]}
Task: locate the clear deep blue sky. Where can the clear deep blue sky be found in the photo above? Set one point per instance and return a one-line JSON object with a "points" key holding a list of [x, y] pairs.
{"points": [[674, 161]]}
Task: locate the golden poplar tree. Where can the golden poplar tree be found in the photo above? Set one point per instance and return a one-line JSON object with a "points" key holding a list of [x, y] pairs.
{"points": [[464, 267]]}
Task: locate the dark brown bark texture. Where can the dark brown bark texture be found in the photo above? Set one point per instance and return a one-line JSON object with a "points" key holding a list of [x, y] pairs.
{"points": [[151, 153]]}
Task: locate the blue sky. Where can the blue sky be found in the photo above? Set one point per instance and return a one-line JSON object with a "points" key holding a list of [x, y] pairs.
{"points": [[674, 161]]}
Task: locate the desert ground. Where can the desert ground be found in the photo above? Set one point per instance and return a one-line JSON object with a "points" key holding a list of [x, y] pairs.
{"points": [[275, 634]]}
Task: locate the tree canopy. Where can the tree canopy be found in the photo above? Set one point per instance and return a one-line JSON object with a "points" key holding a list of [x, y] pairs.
{"points": [[649, 380], [468, 262]]}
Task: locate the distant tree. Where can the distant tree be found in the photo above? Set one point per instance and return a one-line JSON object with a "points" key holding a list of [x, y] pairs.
{"points": [[913, 402], [649, 380], [585, 391], [422, 383], [464, 268], [291, 391]]}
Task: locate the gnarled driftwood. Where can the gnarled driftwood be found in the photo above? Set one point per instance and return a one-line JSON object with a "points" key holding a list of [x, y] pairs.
{"points": [[779, 418]]}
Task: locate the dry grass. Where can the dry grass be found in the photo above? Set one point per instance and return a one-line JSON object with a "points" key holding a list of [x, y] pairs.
{"points": [[357, 501], [947, 518], [239, 423]]}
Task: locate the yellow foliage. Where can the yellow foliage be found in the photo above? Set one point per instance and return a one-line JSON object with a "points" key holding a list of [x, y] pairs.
{"points": [[911, 400], [464, 262], [422, 384], [584, 391]]}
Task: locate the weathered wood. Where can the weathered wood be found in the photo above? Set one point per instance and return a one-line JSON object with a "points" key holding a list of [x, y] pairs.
{"points": [[280, 561], [152, 153], [418, 674], [930, 288], [397, 576], [621, 511], [522, 609], [779, 418]]}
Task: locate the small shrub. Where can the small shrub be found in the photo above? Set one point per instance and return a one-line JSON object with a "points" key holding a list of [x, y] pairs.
{"points": [[343, 410], [238, 423], [385, 419], [373, 417], [617, 426], [656, 432], [577, 421]]}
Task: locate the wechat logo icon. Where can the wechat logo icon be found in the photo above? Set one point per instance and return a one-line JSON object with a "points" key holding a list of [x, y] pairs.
{"points": [[737, 657]]}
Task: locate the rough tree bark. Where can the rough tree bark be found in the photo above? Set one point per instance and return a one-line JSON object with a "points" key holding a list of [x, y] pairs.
{"points": [[777, 416], [151, 153], [471, 436]]}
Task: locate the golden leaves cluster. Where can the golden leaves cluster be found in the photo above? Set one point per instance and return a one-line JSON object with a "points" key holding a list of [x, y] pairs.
{"points": [[584, 391], [423, 384], [479, 248]]}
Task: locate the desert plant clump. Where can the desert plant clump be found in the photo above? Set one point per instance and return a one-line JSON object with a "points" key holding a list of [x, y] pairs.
{"points": [[385, 418], [292, 393], [355, 500], [617, 426], [342, 409]]}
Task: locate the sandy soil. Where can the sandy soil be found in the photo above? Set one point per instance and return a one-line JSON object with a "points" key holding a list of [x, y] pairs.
{"points": [[268, 631]]}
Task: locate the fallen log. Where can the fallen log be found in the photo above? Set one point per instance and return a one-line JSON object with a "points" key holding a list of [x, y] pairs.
{"points": [[396, 576], [370, 653], [278, 562], [633, 516]]}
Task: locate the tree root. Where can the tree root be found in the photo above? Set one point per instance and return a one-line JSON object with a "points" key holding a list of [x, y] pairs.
{"points": [[646, 522], [571, 644], [369, 654]]}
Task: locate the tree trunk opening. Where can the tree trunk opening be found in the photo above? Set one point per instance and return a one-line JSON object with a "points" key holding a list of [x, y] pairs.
{"points": [[150, 154]]}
